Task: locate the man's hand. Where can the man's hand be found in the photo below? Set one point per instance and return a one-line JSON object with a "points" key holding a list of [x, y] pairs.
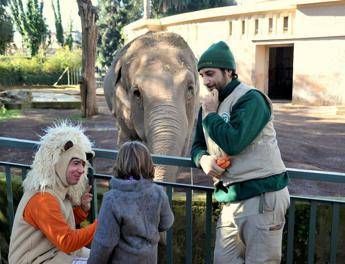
{"points": [[86, 199], [224, 162], [210, 167], [210, 102]]}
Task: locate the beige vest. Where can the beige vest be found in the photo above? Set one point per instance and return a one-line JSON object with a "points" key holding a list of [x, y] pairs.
{"points": [[30, 245], [261, 158]]}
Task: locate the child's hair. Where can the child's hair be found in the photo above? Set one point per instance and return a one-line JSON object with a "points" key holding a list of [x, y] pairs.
{"points": [[134, 160]]}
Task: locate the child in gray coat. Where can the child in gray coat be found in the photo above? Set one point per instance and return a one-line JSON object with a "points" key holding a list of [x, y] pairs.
{"points": [[133, 212]]}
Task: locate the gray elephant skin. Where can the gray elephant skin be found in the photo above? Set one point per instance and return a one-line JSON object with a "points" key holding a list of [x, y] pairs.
{"points": [[152, 89]]}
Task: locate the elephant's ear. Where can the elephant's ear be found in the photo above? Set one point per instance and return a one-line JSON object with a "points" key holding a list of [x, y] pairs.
{"points": [[110, 80], [117, 74]]}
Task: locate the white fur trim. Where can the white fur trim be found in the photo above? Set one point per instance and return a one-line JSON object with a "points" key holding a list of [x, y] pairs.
{"points": [[42, 174]]}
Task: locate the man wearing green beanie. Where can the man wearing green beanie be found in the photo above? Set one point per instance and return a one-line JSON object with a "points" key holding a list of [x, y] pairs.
{"points": [[235, 124]]}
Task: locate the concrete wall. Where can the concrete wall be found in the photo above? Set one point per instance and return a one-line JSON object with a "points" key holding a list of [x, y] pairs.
{"points": [[319, 59], [319, 72], [315, 28]]}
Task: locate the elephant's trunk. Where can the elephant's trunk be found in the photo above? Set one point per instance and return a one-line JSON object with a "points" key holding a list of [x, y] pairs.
{"points": [[166, 134]]}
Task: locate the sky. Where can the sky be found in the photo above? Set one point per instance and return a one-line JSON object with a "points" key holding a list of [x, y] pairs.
{"points": [[69, 11]]}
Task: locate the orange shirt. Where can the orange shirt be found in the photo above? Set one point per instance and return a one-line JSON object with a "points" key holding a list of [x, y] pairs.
{"points": [[43, 212], [79, 214]]}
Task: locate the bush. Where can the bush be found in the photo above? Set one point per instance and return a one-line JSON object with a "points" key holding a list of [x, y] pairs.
{"points": [[19, 70], [8, 114]]}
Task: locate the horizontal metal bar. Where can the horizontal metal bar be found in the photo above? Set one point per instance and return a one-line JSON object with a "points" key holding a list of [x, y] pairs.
{"points": [[182, 161], [194, 187], [14, 165], [172, 184], [99, 153], [18, 143], [157, 159], [319, 199], [317, 175], [210, 189], [105, 153]]}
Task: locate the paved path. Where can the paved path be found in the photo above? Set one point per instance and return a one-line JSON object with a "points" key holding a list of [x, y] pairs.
{"points": [[309, 138]]}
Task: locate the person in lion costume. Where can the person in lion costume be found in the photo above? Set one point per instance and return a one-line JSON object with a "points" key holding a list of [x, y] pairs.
{"points": [[56, 199]]}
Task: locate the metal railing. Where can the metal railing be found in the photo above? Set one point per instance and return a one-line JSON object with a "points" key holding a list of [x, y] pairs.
{"points": [[312, 212], [73, 76]]}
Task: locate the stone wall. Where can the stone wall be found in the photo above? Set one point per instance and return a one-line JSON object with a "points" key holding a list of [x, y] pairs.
{"points": [[314, 28]]}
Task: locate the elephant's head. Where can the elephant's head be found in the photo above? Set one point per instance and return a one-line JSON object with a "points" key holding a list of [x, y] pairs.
{"points": [[152, 89]]}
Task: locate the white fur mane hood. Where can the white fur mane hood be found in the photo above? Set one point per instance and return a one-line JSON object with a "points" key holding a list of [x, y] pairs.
{"points": [[42, 174]]}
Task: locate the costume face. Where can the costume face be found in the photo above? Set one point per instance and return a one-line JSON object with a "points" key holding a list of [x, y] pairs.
{"points": [[75, 170], [214, 78]]}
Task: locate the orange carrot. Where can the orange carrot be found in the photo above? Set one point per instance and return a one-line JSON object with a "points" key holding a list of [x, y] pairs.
{"points": [[223, 162]]}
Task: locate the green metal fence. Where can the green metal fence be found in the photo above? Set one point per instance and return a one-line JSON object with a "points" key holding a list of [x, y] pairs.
{"points": [[298, 233]]}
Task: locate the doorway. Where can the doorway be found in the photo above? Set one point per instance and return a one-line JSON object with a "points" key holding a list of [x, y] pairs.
{"points": [[280, 73]]}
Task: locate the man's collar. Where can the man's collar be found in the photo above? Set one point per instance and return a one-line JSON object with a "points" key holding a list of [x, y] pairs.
{"points": [[223, 93]]}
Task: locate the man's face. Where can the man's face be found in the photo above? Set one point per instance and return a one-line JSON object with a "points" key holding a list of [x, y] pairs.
{"points": [[75, 170], [214, 78]]}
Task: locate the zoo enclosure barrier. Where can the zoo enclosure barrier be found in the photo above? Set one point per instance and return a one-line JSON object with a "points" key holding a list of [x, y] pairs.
{"points": [[332, 242], [74, 77]]}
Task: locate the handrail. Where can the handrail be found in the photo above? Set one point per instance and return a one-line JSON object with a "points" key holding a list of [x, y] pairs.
{"points": [[100, 153], [101, 176], [313, 175]]}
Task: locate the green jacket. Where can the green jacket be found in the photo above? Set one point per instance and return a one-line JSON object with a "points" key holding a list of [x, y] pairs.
{"points": [[249, 116]]}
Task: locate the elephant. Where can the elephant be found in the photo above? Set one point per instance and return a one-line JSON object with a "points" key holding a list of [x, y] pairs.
{"points": [[152, 89]]}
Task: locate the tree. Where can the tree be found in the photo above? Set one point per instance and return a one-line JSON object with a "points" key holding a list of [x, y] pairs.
{"points": [[6, 27], [170, 7], [88, 16], [111, 38], [30, 23], [58, 23], [124, 12], [147, 9], [69, 38]]}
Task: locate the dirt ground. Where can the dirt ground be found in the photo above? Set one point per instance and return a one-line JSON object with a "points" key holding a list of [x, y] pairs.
{"points": [[309, 138]]}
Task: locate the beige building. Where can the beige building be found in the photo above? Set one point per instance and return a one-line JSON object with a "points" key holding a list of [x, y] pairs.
{"points": [[293, 50]]}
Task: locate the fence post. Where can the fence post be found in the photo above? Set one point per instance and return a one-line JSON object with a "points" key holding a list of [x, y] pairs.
{"points": [[9, 191], [91, 180], [68, 73]]}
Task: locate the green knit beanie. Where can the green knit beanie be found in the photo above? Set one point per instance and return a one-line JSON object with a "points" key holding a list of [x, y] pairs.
{"points": [[218, 55]]}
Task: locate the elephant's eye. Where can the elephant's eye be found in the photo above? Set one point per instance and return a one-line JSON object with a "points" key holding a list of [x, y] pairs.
{"points": [[190, 91], [136, 93]]}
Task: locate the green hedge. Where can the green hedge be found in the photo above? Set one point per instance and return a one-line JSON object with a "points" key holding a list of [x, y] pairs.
{"points": [[43, 70], [322, 250]]}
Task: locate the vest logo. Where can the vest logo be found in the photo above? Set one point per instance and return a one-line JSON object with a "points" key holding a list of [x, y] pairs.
{"points": [[226, 117]]}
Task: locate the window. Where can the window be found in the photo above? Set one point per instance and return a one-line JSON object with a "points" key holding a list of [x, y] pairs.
{"points": [[270, 24], [230, 28], [286, 23], [243, 27], [256, 31]]}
